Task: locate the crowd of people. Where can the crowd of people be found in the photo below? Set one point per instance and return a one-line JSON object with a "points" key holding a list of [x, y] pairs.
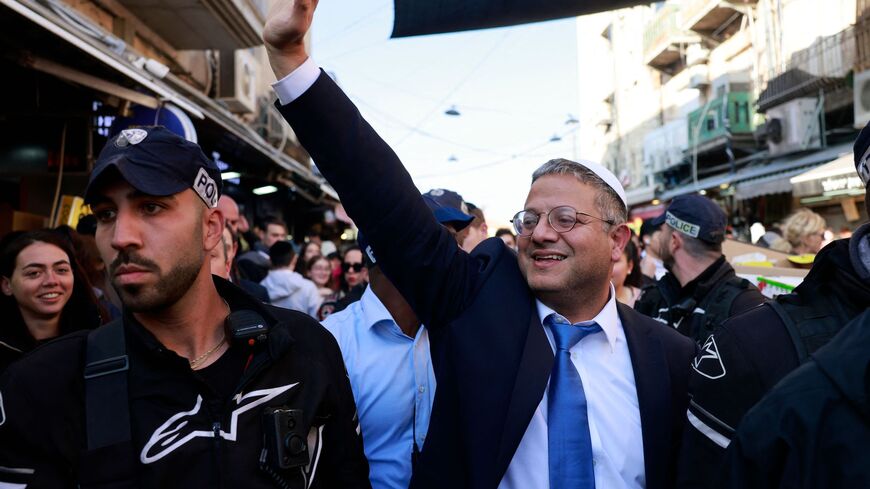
{"points": [[165, 343]]}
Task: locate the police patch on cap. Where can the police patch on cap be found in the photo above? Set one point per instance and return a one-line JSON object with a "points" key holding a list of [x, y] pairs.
{"points": [[130, 136], [708, 362], [206, 188], [684, 227]]}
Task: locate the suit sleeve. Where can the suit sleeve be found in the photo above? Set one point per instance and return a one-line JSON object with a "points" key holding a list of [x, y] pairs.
{"points": [[380, 196]]}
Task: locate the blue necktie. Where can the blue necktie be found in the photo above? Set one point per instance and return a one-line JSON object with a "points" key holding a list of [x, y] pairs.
{"points": [[570, 445]]}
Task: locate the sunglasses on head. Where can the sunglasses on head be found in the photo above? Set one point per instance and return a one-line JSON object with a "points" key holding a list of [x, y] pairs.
{"points": [[357, 267]]}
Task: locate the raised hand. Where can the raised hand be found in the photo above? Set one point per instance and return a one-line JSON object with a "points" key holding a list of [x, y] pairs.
{"points": [[284, 34]]}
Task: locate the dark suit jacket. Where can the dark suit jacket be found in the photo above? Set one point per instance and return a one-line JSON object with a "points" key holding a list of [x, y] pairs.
{"points": [[491, 354]]}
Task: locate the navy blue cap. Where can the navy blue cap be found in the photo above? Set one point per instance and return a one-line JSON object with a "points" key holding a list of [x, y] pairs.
{"points": [[696, 216], [448, 207], [158, 162], [862, 154]]}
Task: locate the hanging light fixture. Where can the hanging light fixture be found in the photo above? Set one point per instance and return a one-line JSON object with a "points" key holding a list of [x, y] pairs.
{"points": [[555, 139], [571, 120]]}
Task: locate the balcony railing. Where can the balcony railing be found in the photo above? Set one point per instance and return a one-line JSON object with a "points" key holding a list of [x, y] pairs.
{"points": [[823, 65], [724, 117], [662, 39]]}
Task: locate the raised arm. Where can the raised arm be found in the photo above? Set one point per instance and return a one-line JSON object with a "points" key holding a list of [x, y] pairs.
{"points": [[417, 254]]}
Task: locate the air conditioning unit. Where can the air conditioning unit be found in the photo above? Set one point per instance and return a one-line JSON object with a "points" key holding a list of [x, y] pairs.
{"points": [[862, 98], [793, 126], [237, 83]]}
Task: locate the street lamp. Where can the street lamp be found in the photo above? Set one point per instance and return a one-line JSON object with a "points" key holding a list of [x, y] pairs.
{"points": [[452, 111], [555, 139]]}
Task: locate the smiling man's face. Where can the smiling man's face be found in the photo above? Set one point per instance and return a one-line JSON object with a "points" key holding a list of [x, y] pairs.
{"points": [[559, 265]]}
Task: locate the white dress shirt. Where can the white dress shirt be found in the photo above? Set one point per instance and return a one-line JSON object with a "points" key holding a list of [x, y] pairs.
{"points": [[604, 365], [297, 82]]}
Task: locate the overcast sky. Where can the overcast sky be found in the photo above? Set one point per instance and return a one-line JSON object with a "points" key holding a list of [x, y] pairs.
{"points": [[513, 86]]}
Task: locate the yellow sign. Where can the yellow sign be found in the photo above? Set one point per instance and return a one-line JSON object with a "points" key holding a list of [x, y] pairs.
{"points": [[70, 210]]}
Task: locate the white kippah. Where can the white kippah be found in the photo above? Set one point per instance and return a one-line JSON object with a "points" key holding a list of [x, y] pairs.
{"points": [[608, 177]]}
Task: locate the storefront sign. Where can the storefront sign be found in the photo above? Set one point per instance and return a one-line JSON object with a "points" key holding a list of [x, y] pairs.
{"points": [[834, 184]]}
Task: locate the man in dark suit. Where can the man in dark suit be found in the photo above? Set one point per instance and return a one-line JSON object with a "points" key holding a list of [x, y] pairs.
{"points": [[602, 411]]}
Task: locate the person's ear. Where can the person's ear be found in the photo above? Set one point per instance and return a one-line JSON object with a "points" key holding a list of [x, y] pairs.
{"points": [[213, 228], [5, 286], [619, 236], [676, 242]]}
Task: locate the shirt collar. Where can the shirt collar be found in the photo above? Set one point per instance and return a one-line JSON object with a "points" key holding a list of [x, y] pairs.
{"points": [[373, 310], [607, 318]]}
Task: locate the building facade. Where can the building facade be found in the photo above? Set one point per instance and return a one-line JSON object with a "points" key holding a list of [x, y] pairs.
{"points": [[731, 99]]}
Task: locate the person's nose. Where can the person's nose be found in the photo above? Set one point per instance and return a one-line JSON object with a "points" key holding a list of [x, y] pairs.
{"points": [[125, 232], [544, 232]]}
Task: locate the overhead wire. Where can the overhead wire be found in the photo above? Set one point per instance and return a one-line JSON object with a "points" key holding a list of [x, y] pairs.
{"points": [[525, 153], [456, 87]]}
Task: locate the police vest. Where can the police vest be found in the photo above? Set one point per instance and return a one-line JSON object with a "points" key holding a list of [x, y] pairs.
{"points": [[717, 306], [701, 317], [810, 326]]}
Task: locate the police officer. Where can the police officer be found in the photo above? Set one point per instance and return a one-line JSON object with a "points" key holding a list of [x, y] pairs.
{"points": [[700, 289], [751, 352], [199, 384]]}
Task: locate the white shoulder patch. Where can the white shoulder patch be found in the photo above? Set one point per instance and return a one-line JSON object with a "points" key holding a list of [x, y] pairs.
{"points": [[708, 362]]}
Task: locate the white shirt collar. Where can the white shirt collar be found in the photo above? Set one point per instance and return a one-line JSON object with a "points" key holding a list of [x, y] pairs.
{"points": [[607, 318]]}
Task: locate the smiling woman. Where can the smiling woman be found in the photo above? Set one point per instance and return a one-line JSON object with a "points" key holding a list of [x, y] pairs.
{"points": [[44, 293]]}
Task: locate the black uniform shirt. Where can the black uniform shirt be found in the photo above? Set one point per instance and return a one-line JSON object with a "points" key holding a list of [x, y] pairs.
{"points": [[189, 429]]}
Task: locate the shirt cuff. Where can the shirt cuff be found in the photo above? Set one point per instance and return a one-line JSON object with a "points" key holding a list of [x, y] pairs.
{"points": [[297, 82]]}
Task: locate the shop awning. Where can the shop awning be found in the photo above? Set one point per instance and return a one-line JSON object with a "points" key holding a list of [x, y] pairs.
{"points": [[836, 176], [782, 167], [166, 89]]}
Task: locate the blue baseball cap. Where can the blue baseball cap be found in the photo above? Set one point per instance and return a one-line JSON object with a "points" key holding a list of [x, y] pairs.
{"points": [[696, 216], [156, 161], [448, 207]]}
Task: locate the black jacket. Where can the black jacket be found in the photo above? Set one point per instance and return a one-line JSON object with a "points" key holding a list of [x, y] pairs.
{"points": [[813, 429], [16, 340], [703, 304], [490, 352], [751, 352], [176, 412]]}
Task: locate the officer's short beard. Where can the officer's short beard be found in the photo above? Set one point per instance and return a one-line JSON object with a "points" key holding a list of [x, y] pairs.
{"points": [[170, 287]]}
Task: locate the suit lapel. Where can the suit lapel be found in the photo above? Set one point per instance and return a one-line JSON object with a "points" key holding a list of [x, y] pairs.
{"points": [[652, 381], [532, 377]]}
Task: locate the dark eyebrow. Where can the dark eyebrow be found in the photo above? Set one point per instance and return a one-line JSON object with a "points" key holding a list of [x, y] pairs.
{"points": [[40, 265], [133, 194]]}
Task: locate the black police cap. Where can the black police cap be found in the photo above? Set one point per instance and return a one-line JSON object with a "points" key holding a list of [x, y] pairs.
{"points": [[158, 162]]}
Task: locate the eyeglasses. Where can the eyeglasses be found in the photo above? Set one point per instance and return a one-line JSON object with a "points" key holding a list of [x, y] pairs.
{"points": [[357, 267], [562, 219]]}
